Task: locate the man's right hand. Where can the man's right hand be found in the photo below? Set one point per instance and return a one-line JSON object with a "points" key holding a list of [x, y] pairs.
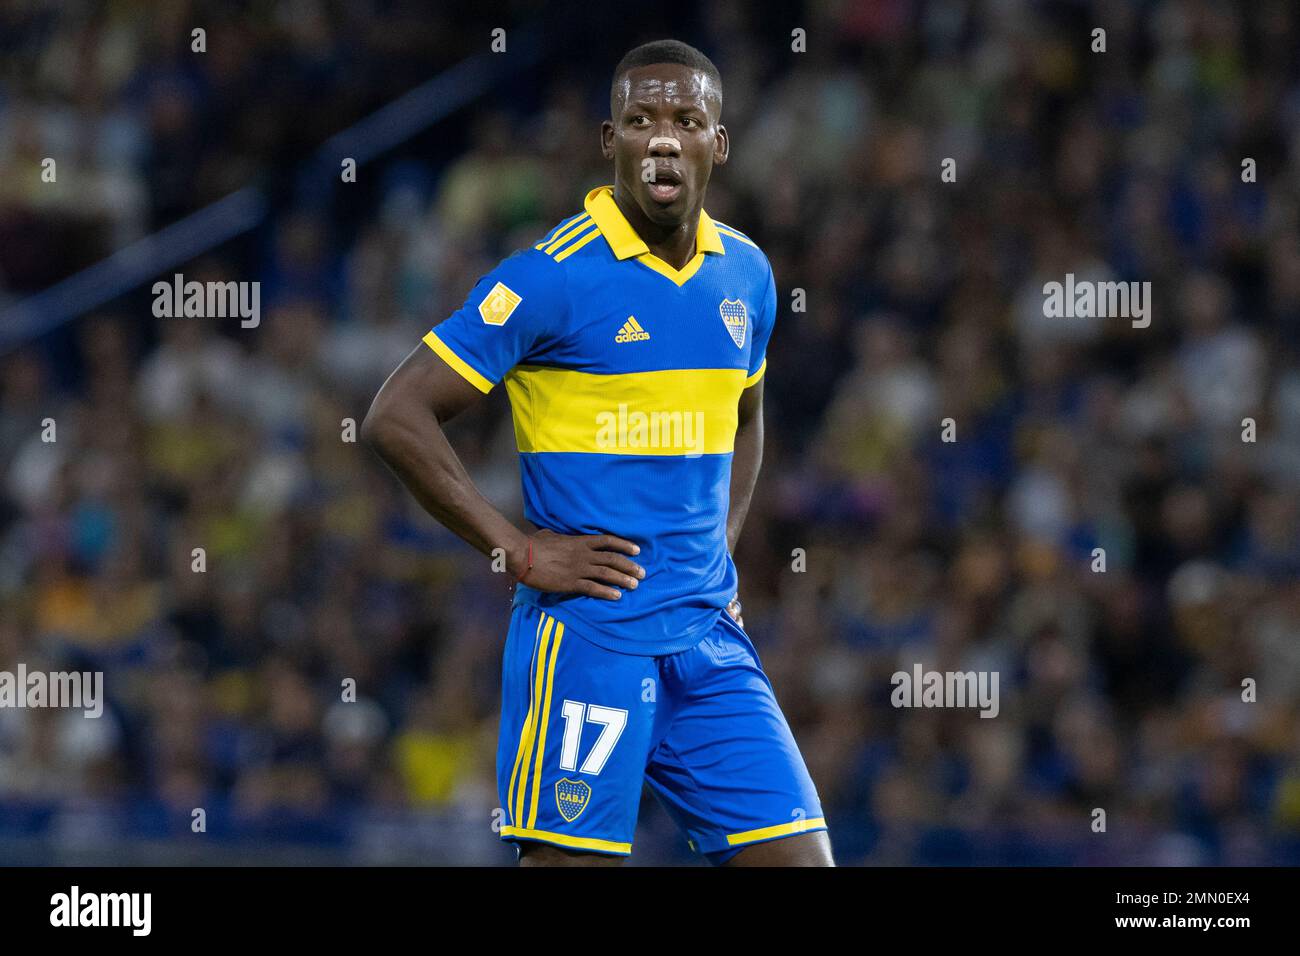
{"points": [[580, 564]]}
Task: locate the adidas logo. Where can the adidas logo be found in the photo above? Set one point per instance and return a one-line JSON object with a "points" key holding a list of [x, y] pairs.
{"points": [[632, 331]]}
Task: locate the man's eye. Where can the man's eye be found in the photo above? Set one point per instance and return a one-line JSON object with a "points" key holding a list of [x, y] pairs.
{"points": [[640, 120], [690, 122]]}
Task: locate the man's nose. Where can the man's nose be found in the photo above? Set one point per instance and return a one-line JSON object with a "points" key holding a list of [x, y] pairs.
{"points": [[661, 145]]}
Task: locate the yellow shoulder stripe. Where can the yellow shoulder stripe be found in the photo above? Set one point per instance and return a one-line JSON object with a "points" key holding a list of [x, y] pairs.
{"points": [[575, 246], [578, 225], [735, 235], [753, 379], [564, 224]]}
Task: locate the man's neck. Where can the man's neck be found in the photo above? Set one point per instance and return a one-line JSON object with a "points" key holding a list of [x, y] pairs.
{"points": [[675, 245]]}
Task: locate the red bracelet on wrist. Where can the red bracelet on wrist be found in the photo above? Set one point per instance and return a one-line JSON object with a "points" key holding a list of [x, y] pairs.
{"points": [[520, 579]]}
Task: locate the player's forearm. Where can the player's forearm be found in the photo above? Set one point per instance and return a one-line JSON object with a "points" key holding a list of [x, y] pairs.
{"points": [[412, 444], [746, 460]]}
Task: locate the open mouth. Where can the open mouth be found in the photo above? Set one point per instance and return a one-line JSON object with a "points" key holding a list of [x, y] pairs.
{"points": [[667, 185]]}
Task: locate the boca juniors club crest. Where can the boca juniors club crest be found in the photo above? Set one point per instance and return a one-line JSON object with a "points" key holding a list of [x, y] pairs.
{"points": [[572, 797], [735, 318]]}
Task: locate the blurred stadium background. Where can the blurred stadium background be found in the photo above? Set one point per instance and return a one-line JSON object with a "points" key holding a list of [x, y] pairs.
{"points": [[1119, 690]]}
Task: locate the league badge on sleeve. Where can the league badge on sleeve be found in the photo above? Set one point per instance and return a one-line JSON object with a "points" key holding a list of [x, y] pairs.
{"points": [[500, 301], [736, 319]]}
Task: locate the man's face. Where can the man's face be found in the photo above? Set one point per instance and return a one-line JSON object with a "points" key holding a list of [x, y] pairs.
{"points": [[666, 114]]}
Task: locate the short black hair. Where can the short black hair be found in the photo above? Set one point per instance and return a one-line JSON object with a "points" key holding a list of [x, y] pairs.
{"points": [[664, 51]]}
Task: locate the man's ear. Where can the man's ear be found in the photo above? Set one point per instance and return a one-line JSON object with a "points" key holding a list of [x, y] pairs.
{"points": [[607, 139], [721, 146]]}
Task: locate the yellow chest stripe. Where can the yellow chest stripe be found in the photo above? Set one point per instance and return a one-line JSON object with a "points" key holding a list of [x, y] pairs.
{"points": [[679, 412]]}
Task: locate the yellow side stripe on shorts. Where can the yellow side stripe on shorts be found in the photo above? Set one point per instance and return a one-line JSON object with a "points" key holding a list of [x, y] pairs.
{"points": [[546, 719], [525, 733], [781, 829], [537, 698], [563, 839]]}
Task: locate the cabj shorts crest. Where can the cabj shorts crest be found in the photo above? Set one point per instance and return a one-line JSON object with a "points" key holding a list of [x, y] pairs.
{"points": [[583, 727]]}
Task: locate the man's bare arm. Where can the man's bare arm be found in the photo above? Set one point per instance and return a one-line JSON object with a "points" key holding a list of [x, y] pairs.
{"points": [[746, 459], [404, 427]]}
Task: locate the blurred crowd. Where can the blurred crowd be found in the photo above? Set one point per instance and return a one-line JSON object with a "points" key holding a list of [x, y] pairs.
{"points": [[1113, 526]]}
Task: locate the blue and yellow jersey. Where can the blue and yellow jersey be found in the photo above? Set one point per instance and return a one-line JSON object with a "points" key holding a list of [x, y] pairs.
{"points": [[624, 376]]}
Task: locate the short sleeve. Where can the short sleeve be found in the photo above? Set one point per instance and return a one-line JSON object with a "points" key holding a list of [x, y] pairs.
{"points": [[509, 317], [762, 332]]}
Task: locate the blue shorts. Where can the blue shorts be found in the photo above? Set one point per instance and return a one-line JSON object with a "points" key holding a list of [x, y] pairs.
{"points": [[583, 727]]}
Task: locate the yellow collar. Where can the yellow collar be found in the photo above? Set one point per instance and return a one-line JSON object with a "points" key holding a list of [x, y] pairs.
{"points": [[625, 243]]}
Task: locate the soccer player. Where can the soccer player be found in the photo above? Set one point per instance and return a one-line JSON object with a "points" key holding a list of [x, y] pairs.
{"points": [[632, 343]]}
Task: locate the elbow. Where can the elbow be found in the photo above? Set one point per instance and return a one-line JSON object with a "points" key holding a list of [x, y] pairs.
{"points": [[393, 427], [376, 427]]}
